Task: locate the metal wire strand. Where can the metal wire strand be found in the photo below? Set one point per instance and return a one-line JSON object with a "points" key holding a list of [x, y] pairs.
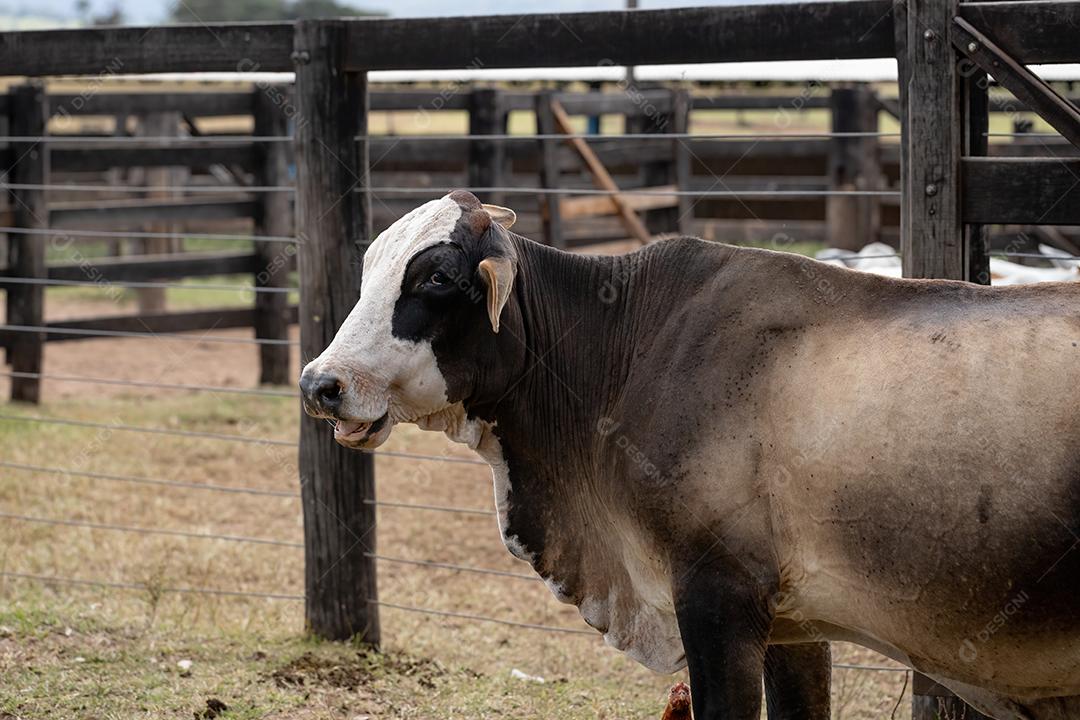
{"points": [[481, 618], [82, 187], [142, 586], [514, 190], [406, 608], [694, 137], [148, 531], [108, 284], [150, 430], [451, 566], [433, 508], [163, 140], [143, 384], [149, 335], [202, 435], [135, 234], [146, 481]]}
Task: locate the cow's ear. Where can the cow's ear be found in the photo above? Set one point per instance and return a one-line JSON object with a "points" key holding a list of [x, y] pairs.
{"points": [[502, 215], [498, 273]]}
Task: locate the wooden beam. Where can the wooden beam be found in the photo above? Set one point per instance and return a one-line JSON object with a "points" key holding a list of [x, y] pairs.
{"points": [[196, 104], [106, 51], [334, 220], [1028, 87], [66, 158], [741, 33], [85, 215], [598, 205], [549, 170], [273, 217], [1021, 191], [600, 175], [150, 323], [149, 267], [29, 108], [933, 244], [1035, 31]]}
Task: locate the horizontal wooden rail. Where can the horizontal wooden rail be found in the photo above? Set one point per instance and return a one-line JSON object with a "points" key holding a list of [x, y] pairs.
{"points": [[149, 324], [125, 212], [744, 33], [1037, 31], [104, 51], [98, 159], [1037, 191], [156, 267], [194, 104]]}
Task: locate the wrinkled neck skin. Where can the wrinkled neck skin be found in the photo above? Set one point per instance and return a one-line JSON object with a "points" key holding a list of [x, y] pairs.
{"points": [[542, 419]]}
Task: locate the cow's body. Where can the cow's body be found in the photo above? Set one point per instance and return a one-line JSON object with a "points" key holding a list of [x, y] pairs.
{"points": [[708, 449]]}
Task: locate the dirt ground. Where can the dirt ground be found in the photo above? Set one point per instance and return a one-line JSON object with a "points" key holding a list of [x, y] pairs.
{"points": [[69, 651]]}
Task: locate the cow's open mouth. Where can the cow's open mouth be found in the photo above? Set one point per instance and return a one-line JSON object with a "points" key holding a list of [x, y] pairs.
{"points": [[354, 433]]}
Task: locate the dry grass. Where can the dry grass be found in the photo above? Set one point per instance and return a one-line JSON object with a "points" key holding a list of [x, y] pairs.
{"points": [[89, 652]]}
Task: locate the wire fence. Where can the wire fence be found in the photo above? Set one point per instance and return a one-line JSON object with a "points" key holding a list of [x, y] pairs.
{"points": [[426, 565]]}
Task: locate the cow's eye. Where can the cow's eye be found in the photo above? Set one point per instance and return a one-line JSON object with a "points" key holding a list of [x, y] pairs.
{"points": [[438, 278]]}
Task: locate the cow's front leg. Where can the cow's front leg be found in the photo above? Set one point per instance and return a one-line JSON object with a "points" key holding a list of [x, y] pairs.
{"points": [[797, 681], [724, 619]]}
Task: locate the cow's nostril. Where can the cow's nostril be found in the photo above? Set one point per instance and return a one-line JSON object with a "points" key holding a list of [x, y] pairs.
{"points": [[329, 392], [323, 390]]}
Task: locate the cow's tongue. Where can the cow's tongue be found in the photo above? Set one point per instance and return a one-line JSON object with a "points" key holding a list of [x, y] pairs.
{"points": [[346, 428]]}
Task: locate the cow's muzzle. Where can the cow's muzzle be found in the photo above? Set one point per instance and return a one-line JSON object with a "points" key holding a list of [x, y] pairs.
{"points": [[324, 396]]}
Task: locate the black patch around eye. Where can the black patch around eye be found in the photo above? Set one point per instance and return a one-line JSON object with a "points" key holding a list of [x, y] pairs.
{"points": [[432, 293]]}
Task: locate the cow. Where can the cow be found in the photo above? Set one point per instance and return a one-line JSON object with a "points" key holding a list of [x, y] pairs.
{"points": [[715, 452]]}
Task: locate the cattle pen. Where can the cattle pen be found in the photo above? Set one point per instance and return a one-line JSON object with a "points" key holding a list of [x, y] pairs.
{"points": [[300, 187]]}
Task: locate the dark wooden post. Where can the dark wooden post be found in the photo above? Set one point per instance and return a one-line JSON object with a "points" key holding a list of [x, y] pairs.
{"points": [[853, 221], [158, 124], [933, 243], [486, 157], [664, 171], [273, 216], [549, 170], [334, 226], [29, 113], [977, 124], [680, 123]]}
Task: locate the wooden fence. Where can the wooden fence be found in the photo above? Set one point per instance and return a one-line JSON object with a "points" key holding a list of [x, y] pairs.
{"points": [[950, 189]]}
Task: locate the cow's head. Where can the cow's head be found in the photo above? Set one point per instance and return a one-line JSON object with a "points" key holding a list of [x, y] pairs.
{"points": [[435, 284]]}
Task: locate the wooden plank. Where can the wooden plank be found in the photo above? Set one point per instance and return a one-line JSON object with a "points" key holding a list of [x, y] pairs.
{"points": [[976, 144], [790, 103], [87, 215], [149, 267], [684, 161], [741, 33], [105, 51], [550, 170], [195, 104], [600, 175], [76, 159], [853, 221], [934, 246], [617, 103], [572, 208], [486, 157], [29, 108], [273, 217], [1021, 191], [337, 485], [150, 323], [1036, 31], [1028, 87]]}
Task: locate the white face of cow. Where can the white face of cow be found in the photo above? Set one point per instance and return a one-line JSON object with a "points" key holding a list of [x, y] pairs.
{"points": [[420, 281]]}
